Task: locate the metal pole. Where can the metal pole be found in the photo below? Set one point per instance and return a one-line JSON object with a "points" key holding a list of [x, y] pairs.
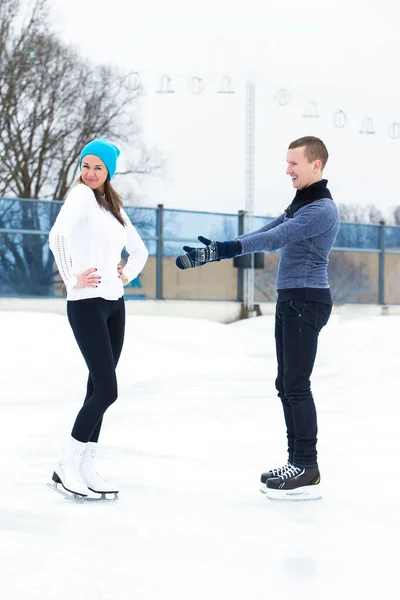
{"points": [[241, 215], [382, 247], [249, 192], [159, 252]]}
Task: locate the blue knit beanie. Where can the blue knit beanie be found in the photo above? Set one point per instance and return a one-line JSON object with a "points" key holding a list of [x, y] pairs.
{"points": [[104, 150]]}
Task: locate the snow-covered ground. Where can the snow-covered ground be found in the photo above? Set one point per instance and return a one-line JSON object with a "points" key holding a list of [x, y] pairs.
{"points": [[196, 422]]}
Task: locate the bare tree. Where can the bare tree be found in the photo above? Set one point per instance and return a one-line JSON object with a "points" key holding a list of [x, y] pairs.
{"points": [[356, 213], [265, 279], [351, 277], [52, 103]]}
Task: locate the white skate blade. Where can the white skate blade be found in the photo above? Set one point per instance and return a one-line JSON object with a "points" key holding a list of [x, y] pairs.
{"points": [[305, 493], [63, 492], [93, 497], [101, 496]]}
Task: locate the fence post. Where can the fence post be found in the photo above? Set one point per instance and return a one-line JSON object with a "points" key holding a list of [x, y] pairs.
{"points": [[159, 251], [240, 272], [382, 249]]}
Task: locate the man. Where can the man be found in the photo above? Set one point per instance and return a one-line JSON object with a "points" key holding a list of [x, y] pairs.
{"points": [[305, 233]]}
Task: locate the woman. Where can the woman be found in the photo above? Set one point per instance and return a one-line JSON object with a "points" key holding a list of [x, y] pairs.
{"points": [[87, 239]]}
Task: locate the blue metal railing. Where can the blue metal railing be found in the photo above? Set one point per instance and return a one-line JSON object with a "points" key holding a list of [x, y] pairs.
{"points": [[25, 223]]}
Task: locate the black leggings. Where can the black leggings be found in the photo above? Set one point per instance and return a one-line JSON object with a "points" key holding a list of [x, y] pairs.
{"points": [[98, 327]]}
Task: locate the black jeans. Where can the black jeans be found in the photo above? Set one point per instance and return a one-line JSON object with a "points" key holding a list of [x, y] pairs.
{"points": [[297, 326], [99, 327]]}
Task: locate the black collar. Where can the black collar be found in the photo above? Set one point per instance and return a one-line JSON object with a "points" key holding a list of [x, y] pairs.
{"points": [[309, 194]]}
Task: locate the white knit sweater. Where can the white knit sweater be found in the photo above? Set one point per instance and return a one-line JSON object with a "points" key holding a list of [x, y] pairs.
{"points": [[86, 236]]}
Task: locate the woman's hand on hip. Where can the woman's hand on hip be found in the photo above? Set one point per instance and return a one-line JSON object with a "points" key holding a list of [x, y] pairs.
{"points": [[89, 278], [121, 275]]}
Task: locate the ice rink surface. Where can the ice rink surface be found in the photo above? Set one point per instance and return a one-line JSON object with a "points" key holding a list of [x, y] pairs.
{"points": [[196, 422]]}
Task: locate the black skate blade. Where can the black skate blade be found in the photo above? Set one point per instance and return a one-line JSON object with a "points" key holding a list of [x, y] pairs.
{"points": [[78, 498]]}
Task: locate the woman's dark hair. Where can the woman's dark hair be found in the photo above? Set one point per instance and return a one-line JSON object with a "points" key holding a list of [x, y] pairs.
{"points": [[110, 201]]}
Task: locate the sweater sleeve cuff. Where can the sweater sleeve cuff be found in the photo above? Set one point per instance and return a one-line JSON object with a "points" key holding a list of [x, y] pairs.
{"points": [[72, 281]]}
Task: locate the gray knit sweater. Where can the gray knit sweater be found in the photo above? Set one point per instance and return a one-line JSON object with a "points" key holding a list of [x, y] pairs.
{"points": [[305, 241]]}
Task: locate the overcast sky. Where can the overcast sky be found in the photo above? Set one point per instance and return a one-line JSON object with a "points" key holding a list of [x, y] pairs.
{"points": [[336, 53]]}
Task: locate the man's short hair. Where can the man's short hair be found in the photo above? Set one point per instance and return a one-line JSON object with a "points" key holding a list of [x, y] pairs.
{"points": [[314, 148]]}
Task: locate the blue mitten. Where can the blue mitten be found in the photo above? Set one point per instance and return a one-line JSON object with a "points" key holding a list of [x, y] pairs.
{"points": [[213, 251]]}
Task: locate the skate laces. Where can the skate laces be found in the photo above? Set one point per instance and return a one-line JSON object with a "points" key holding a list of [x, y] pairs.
{"points": [[99, 476], [290, 471], [280, 470], [77, 465], [91, 471], [73, 470]]}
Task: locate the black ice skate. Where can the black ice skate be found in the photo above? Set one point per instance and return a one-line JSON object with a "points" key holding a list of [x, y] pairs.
{"points": [[295, 483], [268, 474]]}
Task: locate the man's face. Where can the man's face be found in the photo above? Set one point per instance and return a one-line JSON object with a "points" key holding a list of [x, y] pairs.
{"points": [[302, 172]]}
